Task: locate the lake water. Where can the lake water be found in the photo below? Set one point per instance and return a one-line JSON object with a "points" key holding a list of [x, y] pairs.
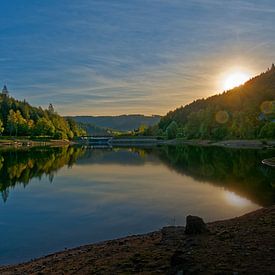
{"points": [[57, 198]]}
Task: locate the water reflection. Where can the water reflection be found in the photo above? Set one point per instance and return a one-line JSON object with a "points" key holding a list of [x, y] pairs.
{"points": [[239, 171], [19, 166], [96, 195], [236, 200]]}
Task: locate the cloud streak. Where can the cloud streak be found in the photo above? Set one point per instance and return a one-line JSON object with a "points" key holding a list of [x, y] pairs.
{"points": [[140, 56]]}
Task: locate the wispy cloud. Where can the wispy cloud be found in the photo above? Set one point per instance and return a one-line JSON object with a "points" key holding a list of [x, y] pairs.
{"points": [[111, 57]]}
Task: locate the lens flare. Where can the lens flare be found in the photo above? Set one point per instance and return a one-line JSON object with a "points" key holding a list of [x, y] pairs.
{"points": [[267, 107], [221, 117]]}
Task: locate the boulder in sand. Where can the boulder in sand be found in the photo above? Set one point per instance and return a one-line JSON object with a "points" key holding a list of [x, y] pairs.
{"points": [[195, 225]]}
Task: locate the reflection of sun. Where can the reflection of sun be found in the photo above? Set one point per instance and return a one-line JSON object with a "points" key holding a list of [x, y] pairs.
{"points": [[236, 200], [235, 79]]}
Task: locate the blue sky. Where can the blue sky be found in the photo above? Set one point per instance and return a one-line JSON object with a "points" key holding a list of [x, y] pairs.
{"points": [[103, 57]]}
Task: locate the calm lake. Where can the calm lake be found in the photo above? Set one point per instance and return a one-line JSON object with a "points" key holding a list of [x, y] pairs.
{"points": [[62, 197]]}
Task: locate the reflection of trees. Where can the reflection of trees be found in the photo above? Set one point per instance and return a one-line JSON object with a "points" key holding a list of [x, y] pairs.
{"points": [[21, 165], [238, 170]]}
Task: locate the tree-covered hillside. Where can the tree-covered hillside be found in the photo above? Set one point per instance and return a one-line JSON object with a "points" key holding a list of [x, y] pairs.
{"points": [[245, 112], [19, 118], [120, 123]]}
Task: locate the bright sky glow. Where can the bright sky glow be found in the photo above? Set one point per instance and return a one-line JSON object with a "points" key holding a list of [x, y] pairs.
{"points": [[109, 57], [235, 79]]}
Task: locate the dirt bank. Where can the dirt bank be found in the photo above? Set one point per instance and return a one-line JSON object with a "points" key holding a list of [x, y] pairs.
{"points": [[243, 245]]}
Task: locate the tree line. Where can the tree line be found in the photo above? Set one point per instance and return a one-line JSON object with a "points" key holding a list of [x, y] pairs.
{"points": [[19, 118], [245, 112]]}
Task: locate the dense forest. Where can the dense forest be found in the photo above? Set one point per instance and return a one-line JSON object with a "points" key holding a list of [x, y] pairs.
{"points": [[245, 112], [19, 118]]}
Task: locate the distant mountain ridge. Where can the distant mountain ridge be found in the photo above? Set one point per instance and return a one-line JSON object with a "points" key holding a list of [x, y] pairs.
{"points": [[121, 122]]}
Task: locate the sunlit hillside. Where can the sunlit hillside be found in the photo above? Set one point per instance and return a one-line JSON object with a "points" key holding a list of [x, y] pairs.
{"points": [[247, 111], [19, 118]]}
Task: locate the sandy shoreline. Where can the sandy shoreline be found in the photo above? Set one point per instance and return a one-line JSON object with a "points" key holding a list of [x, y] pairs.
{"points": [[244, 245]]}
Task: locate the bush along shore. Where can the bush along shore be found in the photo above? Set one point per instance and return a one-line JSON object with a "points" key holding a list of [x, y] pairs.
{"points": [[242, 245]]}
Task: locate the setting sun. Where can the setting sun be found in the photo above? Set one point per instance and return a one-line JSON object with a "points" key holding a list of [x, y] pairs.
{"points": [[235, 79]]}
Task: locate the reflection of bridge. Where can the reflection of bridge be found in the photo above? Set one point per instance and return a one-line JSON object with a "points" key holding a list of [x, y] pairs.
{"points": [[97, 140]]}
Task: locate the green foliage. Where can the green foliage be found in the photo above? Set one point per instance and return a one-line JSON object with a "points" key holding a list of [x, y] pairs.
{"points": [[1, 127], [44, 127], [245, 112], [94, 130], [17, 124], [153, 131], [268, 130], [76, 129], [172, 130], [18, 118]]}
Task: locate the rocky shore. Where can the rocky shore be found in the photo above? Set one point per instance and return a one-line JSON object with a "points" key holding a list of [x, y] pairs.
{"points": [[143, 142], [152, 141], [14, 143], [237, 144], [243, 245]]}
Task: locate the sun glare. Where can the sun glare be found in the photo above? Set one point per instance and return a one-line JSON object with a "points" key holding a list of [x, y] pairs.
{"points": [[235, 200], [235, 79]]}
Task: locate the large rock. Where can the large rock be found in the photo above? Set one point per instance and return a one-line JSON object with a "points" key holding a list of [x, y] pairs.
{"points": [[195, 225]]}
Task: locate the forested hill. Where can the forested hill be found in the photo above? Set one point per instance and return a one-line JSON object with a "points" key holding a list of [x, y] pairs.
{"points": [[19, 118], [121, 123], [247, 111]]}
